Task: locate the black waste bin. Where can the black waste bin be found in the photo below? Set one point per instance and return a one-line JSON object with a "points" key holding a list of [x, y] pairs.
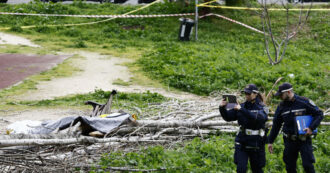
{"points": [[185, 28]]}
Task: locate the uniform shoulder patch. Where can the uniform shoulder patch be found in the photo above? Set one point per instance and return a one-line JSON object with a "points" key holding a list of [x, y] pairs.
{"points": [[307, 100]]}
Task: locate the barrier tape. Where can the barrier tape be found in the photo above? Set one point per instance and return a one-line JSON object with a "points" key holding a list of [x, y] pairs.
{"points": [[234, 21], [205, 3], [89, 23], [248, 8], [269, 9], [99, 16]]}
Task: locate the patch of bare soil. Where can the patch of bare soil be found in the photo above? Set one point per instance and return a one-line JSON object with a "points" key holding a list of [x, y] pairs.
{"points": [[98, 72], [15, 40]]}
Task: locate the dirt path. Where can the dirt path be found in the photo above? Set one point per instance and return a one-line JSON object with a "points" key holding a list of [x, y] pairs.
{"points": [[15, 40], [98, 72]]}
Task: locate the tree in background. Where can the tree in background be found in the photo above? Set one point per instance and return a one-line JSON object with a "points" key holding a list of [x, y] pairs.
{"points": [[276, 42]]}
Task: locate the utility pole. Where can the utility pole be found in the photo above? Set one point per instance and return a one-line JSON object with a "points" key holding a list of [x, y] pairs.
{"points": [[196, 20]]}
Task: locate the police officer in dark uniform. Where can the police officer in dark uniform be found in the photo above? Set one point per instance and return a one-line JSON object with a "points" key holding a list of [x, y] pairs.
{"points": [[250, 140], [291, 106]]}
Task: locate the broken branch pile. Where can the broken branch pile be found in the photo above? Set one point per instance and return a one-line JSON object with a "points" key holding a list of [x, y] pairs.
{"points": [[161, 123]]}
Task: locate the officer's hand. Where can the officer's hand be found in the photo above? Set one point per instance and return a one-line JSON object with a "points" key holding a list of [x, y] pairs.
{"points": [[223, 103], [237, 107], [270, 148], [308, 131]]}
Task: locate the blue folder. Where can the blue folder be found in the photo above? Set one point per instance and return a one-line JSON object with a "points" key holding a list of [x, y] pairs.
{"points": [[304, 122]]}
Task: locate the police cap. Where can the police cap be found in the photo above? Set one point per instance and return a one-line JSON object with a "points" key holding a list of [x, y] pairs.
{"points": [[250, 89], [283, 88]]}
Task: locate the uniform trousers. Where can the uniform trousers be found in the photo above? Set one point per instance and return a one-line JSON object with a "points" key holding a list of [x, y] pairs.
{"points": [[256, 157], [290, 154]]}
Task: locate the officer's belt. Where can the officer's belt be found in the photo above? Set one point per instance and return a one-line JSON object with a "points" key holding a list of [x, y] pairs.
{"points": [[260, 132], [247, 147], [295, 137]]}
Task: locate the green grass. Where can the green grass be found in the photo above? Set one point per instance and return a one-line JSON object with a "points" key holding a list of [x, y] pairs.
{"points": [[126, 101], [121, 82], [225, 56], [214, 154], [228, 55]]}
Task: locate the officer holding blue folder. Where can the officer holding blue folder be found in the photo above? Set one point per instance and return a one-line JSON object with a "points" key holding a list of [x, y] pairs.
{"points": [[291, 106]]}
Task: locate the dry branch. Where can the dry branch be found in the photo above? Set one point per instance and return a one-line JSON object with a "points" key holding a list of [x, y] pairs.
{"points": [[61, 152], [80, 140], [120, 168], [207, 117], [167, 124]]}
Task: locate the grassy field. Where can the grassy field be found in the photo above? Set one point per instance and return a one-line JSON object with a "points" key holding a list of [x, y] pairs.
{"points": [[213, 154], [225, 56], [126, 101]]}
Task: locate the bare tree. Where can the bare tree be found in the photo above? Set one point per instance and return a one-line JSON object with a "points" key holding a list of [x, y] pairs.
{"points": [[276, 44]]}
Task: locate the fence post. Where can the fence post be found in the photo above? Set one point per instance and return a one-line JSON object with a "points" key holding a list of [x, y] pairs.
{"points": [[196, 20]]}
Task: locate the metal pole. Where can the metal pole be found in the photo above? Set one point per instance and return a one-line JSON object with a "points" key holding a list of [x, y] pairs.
{"points": [[196, 20]]}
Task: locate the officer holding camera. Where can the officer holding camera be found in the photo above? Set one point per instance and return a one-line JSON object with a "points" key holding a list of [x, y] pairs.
{"points": [[250, 141]]}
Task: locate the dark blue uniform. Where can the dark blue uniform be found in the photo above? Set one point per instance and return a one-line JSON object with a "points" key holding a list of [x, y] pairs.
{"points": [[251, 116], [286, 113]]}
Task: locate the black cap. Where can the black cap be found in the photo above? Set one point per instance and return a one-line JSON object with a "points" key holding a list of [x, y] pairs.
{"points": [[250, 89], [283, 88]]}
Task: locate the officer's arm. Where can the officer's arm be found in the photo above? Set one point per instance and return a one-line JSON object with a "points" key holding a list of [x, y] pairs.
{"points": [[277, 124], [313, 110], [230, 115], [259, 116]]}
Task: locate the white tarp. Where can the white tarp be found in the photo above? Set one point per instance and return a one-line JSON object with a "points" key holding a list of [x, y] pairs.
{"points": [[104, 125]]}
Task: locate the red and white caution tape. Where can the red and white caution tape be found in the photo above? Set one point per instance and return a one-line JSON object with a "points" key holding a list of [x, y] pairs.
{"points": [[130, 16], [232, 20], [99, 16], [206, 4]]}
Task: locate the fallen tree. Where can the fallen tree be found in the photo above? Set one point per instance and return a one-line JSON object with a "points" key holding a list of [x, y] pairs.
{"points": [[165, 124]]}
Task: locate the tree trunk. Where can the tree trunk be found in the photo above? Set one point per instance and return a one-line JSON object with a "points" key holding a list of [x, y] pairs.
{"points": [[193, 124], [80, 140]]}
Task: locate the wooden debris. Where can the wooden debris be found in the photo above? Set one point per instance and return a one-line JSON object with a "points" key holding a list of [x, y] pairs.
{"points": [[80, 140], [161, 123]]}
